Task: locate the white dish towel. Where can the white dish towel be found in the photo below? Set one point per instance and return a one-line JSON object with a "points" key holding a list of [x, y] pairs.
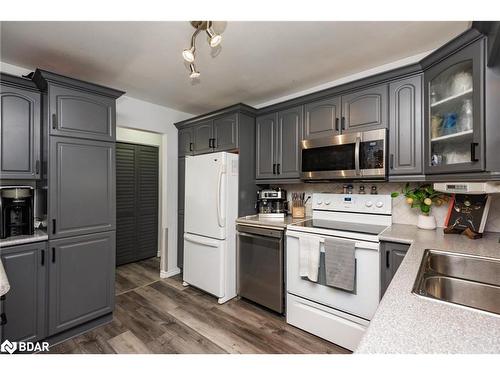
{"points": [[309, 255], [4, 282]]}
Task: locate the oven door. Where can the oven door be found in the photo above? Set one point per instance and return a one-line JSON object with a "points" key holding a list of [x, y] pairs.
{"points": [[362, 302]]}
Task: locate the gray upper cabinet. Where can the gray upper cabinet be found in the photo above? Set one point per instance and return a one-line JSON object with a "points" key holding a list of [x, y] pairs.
{"points": [[322, 118], [202, 136], [19, 131], [405, 126], [288, 139], [454, 112], [365, 109], [226, 133], [392, 255], [25, 303], [82, 187], [278, 144], [266, 153], [81, 279], [186, 142], [81, 114]]}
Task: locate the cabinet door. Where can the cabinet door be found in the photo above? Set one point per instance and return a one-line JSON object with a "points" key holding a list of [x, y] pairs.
{"points": [[180, 240], [24, 304], [82, 187], [289, 137], [186, 142], [226, 133], [266, 132], [365, 109], [322, 118], [202, 135], [19, 133], [392, 254], [454, 112], [405, 126], [81, 279], [81, 114]]}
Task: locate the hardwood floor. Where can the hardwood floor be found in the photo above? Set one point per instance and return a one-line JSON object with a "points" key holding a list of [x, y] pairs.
{"points": [[154, 315]]}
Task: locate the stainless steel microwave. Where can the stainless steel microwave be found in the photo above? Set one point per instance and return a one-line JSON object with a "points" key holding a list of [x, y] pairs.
{"points": [[347, 156]]}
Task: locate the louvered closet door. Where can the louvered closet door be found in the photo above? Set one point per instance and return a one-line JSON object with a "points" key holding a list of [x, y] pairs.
{"points": [[136, 202]]}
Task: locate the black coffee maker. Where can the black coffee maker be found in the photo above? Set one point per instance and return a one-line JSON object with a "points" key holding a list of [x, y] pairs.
{"points": [[16, 209]]}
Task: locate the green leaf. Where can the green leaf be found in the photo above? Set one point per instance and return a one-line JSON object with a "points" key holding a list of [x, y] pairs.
{"points": [[394, 194]]}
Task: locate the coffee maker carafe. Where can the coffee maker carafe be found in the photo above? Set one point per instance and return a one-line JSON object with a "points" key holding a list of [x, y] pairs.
{"points": [[16, 211], [272, 203]]}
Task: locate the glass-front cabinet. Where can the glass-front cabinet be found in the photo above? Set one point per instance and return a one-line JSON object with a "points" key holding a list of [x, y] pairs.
{"points": [[454, 112]]}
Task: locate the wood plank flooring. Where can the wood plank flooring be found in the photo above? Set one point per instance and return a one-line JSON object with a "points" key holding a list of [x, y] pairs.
{"points": [[154, 315]]}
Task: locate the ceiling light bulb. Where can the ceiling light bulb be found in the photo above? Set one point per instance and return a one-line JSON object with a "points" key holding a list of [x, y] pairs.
{"points": [[215, 39], [194, 72], [188, 54]]}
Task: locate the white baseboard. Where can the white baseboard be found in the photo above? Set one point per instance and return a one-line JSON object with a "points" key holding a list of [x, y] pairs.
{"points": [[172, 272]]}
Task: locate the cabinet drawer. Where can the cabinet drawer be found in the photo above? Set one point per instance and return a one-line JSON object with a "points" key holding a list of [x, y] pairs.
{"points": [[80, 114]]}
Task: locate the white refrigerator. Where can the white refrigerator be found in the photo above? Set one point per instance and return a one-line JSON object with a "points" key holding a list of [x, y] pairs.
{"points": [[210, 211]]}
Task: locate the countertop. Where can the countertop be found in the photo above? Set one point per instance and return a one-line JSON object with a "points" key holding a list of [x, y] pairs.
{"points": [[39, 235], [407, 323], [255, 220]]}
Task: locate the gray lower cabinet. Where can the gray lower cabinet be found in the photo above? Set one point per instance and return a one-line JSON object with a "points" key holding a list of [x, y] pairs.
{"points": [[321, 118], [365, 109], [225, 133], [266, 129], [181, 176], [405, 126], [288, 139], [180, 239], [82, 186], [81, 114], [391, 256], [186, 142], [202, 137], [25, 304], [81, 279], [19, 132]]}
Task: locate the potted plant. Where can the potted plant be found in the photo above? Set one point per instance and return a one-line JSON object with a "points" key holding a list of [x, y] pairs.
{"points": [[423, 197]]}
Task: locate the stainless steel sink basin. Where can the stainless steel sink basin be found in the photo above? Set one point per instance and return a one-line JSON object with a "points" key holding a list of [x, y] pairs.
{"points": [[465, 280]]}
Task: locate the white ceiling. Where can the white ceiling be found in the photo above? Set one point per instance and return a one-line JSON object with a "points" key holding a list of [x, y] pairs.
{"points": [[258, 61]]}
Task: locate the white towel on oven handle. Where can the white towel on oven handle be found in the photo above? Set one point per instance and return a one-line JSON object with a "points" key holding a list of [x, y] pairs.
{"points": [[309, 256]]}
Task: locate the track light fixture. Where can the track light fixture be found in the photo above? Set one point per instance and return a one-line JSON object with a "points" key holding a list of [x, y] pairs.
{"points": [[189, 54], [194, 72]]}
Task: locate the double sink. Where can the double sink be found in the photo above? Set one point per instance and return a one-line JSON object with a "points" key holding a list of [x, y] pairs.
{"points": [[460, 279]]}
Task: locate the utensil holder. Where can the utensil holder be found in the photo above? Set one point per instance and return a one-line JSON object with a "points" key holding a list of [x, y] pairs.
{"points": [[298, 212]]}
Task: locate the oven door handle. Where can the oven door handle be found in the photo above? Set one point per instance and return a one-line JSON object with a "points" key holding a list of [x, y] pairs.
{"points": [[356, 155], [357, 244]]}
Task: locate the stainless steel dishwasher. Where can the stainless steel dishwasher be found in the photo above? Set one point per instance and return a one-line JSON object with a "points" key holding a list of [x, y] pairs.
{"points": [[260, 265]]}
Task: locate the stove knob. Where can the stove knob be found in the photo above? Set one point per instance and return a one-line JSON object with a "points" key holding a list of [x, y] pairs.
{"points": [[327, 203], [379, 204], [369, 204], [319, 203]]}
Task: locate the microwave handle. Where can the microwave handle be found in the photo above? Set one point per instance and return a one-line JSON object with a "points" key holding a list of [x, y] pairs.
{"points": [[356, 156]]}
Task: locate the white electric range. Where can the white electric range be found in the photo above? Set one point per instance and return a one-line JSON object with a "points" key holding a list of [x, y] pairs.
{"points": [[334, 314]]}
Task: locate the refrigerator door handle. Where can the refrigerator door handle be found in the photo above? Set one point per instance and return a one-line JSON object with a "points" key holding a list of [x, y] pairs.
{"points": [[220, 218], [209, 243]]}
